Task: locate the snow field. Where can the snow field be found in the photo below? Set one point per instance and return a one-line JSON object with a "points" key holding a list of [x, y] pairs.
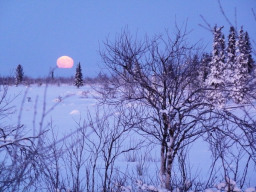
{"points": [[69, 108]]}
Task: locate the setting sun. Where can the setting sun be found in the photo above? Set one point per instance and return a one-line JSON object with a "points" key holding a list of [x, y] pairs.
{"points": [[65, 62]]}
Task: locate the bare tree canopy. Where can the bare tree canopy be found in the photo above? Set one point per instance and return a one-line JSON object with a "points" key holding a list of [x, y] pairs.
{"points": [[159, 78]]}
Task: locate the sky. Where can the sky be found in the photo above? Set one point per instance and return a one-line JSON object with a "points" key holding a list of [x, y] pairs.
{"points": [[34, 33]]}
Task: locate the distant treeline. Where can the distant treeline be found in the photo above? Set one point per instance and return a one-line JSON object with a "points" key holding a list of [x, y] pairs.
{"points": [[48, 80]]}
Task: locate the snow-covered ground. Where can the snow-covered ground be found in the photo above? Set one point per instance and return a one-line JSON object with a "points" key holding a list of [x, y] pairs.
{"points": [[71, 106], [69, 103]]}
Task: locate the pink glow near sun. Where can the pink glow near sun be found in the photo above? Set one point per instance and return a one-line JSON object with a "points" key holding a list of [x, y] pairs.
{"points": [[65, 62]]}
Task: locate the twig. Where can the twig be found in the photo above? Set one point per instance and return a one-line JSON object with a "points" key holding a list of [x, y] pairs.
{"points": [[224, 14], [253, 13], [208, 26]]}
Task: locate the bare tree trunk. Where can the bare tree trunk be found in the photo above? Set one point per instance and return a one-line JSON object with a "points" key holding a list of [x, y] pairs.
{"points": [[163, 163]]}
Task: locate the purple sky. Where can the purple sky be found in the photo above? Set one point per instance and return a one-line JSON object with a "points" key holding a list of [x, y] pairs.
{"points": [[35, 33]]}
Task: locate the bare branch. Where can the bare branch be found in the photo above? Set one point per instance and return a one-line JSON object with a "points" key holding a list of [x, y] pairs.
{"points": [[224, 14]]}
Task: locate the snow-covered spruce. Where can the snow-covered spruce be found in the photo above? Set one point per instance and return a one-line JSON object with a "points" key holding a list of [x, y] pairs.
{"points": [[231, 58], [241, 70], [215, 80]]}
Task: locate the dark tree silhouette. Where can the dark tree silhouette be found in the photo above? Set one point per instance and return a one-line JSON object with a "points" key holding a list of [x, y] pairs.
{"points": [[79, 76], [19, 74], [204, 68]]}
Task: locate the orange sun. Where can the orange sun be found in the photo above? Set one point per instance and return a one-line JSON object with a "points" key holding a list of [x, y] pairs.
{"points": [[65, 62]]}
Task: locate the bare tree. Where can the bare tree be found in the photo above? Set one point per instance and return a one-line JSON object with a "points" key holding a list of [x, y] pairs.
{"points": [[25, 163], [156, 76], [75, 161], [51, 161], [19, 151], [107, 142], [232, 154]]}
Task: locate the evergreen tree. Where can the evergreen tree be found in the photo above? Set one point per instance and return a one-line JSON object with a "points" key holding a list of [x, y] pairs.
{"points": [[195, 64], [195, 61], [52, 74], [215, 80], [19, 74], [231, 58], [79, 76], [242, 67], [248, 53], [204, 68]]}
